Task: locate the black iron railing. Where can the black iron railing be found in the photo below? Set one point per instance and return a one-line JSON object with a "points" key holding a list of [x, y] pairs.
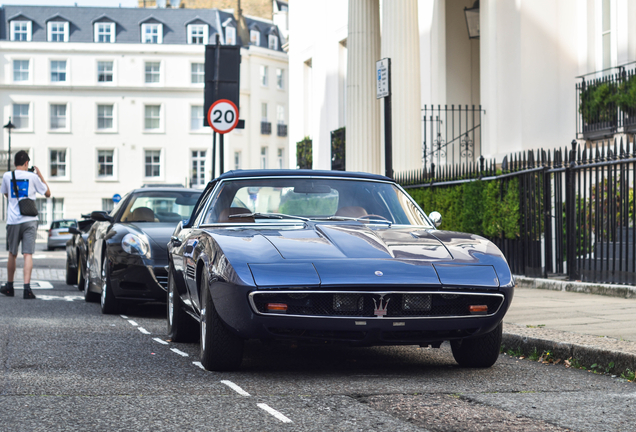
{"points": [[281, 130], [266, 128], [451, 134], [576, 208]]}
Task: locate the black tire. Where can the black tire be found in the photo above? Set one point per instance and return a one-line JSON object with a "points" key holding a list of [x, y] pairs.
{"points": [[220, 349], [89, 296], [71, 273], [108, 302], [480, 351], [81, 281], [181, 326]]}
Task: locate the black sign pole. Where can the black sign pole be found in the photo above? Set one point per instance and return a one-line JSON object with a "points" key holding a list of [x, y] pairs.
{"points": [[213, 154], [221, 155], [388, 134], [217, 64]]}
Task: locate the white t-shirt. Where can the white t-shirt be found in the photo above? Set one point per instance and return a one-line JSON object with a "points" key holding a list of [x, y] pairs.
{"points": [[28, 184]]}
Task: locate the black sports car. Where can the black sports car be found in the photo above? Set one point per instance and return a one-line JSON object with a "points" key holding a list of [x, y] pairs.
{"points": [[76, 252], [329, 256], [127, 254]]}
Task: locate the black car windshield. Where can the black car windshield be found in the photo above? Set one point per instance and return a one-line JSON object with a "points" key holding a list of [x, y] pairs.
{"points": [[160, 206], [271, 199]]}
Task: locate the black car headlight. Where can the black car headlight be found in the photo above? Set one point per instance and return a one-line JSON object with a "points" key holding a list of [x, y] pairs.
{"points": [[134, 244]]}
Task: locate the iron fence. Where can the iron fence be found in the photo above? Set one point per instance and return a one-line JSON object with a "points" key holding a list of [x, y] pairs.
{"points": [[576, 208]]}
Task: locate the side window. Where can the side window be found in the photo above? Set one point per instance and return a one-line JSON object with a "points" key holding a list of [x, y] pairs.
{"points": [[198, 213], [115, 209]]}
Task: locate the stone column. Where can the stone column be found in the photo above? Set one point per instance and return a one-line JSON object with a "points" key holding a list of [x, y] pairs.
{"points": [[363, 148], [401, 43]]}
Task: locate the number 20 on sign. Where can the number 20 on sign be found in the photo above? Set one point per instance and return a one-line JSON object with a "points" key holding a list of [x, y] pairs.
{"points": [[223, 116]]}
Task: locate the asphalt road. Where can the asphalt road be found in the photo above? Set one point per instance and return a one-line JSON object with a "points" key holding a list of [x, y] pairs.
{"points": [[67, 367]]}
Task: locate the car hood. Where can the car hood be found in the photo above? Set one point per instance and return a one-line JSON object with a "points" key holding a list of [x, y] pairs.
{"points": [[352, 254], [158, 234]]}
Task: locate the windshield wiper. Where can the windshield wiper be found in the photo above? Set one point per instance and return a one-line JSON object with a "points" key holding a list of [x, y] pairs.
{"points": [[267, 216], [359, 219]]}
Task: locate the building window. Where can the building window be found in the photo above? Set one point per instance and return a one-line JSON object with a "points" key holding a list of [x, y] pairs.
{"points": [[21, 116], [279, 158], [105, 163], [43, 211], [237, 160], [58, 70], [20, 31], [197, 73], [153, 72], [198, 34], [280, 114], [255, 37], [58, 116], [105, 117], [273, 42], [104, 71], [58, 163], [264, 75], [20, 70], [264, 111], [108, 204], [279, 79], [263, 157], [197, 175], [152, 117], [57, 31], [58, 208], [153, 163], [196, 117], [105, 32], [606, 34], [230, 35], [152, 33]]}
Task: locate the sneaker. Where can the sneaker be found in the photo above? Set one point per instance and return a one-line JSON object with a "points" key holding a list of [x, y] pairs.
{"points": [[28, 294], [4, 289]]}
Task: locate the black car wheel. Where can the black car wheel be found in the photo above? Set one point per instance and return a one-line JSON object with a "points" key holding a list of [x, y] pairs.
{"points": [[108, 301], [181, 327], [220, 349], [71, 274], [478, 352], [89, 296], [81, 280]]}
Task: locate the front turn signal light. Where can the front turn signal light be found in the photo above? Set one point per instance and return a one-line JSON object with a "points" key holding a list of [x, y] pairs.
{"points": [[277, 307], [478, 309]]}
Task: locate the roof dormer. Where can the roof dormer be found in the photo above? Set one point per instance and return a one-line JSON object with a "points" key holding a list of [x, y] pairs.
{"points": [[20, 28], [151, 31], [104, 29], [198, 31], [57, 29]]}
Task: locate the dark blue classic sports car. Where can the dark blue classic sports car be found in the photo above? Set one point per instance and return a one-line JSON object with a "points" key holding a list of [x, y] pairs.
{"points": [[329, 256]]}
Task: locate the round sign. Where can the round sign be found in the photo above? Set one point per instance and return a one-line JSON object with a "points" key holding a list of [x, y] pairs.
{"points": [[116, 198], [223, 116]]}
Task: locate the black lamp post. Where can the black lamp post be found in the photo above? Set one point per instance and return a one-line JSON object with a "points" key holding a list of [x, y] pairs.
{"points": [[9, 126], [472, 20]]}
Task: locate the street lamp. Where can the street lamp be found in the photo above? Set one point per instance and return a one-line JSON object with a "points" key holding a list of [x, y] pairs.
{"points": [[472, 20], [9, 126]]}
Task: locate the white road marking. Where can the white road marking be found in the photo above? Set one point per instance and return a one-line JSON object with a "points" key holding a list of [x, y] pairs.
{"points": [[143, 330], [273, 412], [133, 323], [35, 285], [65, 298], [234, 387], [123, 316], [181, 353], [161, 341], [198, 364]]}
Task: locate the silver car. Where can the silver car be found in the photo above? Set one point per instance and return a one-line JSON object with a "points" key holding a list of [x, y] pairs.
{"points": [[59, 234]]}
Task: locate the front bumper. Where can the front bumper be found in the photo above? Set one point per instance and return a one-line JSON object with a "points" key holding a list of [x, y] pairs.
{"points": [[137, 279]]}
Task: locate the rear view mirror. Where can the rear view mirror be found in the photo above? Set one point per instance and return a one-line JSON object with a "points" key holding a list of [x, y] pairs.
{"points": [[312, 188], [436, 218], [187, 200], [101, 216], [74, 230]]}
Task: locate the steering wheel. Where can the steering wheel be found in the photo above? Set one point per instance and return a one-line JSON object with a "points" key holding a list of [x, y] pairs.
{"points": [[373, 216]]}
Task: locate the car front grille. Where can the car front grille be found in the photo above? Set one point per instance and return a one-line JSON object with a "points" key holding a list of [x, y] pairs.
{"points": [[163, 281], [356, 304]]}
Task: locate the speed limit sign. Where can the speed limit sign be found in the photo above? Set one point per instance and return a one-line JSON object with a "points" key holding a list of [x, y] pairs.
{"points": [[223, 116]]}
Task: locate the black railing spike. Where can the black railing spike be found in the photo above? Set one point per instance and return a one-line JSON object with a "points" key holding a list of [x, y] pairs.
{"points": [[622, 153], [615, 148]]}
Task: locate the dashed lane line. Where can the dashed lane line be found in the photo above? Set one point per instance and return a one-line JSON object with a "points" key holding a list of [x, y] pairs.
{"points": [[143, 330], [234, 387], [273, 412], [133, 323], [124, 317], [161, 341], [181, 353], [199, 365]]}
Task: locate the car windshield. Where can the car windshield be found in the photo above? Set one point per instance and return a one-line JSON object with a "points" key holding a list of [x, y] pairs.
{"points": [[272, 199], [160, 206], [63, 224]]}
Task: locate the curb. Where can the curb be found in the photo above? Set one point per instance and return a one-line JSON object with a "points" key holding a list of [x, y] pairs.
{"points": [[623, 291]]}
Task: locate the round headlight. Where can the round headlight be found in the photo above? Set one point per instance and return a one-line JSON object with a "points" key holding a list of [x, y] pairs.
{"points": [[135, 245]]}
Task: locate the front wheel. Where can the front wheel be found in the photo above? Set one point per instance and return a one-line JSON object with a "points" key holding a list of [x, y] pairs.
{"points": [[221, 350], [480, 351], [108, 301], [89, 296], [181, 327], [71, 274], [81, 280]]}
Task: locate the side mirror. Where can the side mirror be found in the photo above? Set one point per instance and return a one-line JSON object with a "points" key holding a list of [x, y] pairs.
{"points": [[74, 230], [101, 216], [436, 218]]}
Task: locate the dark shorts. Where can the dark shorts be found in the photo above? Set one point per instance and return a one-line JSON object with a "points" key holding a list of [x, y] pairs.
{"points": [[26, 233]]}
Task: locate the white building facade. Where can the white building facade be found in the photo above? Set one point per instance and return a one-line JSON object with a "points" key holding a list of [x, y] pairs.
{"points": [[109, 99]]}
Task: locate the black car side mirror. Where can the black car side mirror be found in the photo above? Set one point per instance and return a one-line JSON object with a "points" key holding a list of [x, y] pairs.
{"points": [[74, 230], [101, 216]]}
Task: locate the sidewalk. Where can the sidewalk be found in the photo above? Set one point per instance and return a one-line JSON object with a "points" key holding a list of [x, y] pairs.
{"points": [[591, 323]]}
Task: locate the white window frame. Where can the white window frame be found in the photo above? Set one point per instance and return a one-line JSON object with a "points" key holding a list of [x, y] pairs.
{"points": [[160, 129], [201, 128], [112, 62], [112, 32], [264, 112], [238, 160], [205, 34], [280, 158], [29, 79], [263, 158], [264, 78], [199, 159], [67, 128], [49, 30], [202, 74], [67, 170], [113, 129], [29, 128], [160, 73], [66, 71], [255, 37], [114, 164], [144, 34], [230, 35], [280, 119], [280, 78], [29, 29], [272, 42], [162, 171]]}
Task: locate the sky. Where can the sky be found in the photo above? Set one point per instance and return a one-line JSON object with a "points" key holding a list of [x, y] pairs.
{"points": [[102, 3]]}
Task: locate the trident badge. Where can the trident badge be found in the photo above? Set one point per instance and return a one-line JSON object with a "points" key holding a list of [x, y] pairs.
{"points": [[380, 311]]}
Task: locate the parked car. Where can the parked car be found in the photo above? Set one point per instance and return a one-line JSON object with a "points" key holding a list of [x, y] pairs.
{"points": [[127, 249], [329, 256], [59, 233], [76, 252]]}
